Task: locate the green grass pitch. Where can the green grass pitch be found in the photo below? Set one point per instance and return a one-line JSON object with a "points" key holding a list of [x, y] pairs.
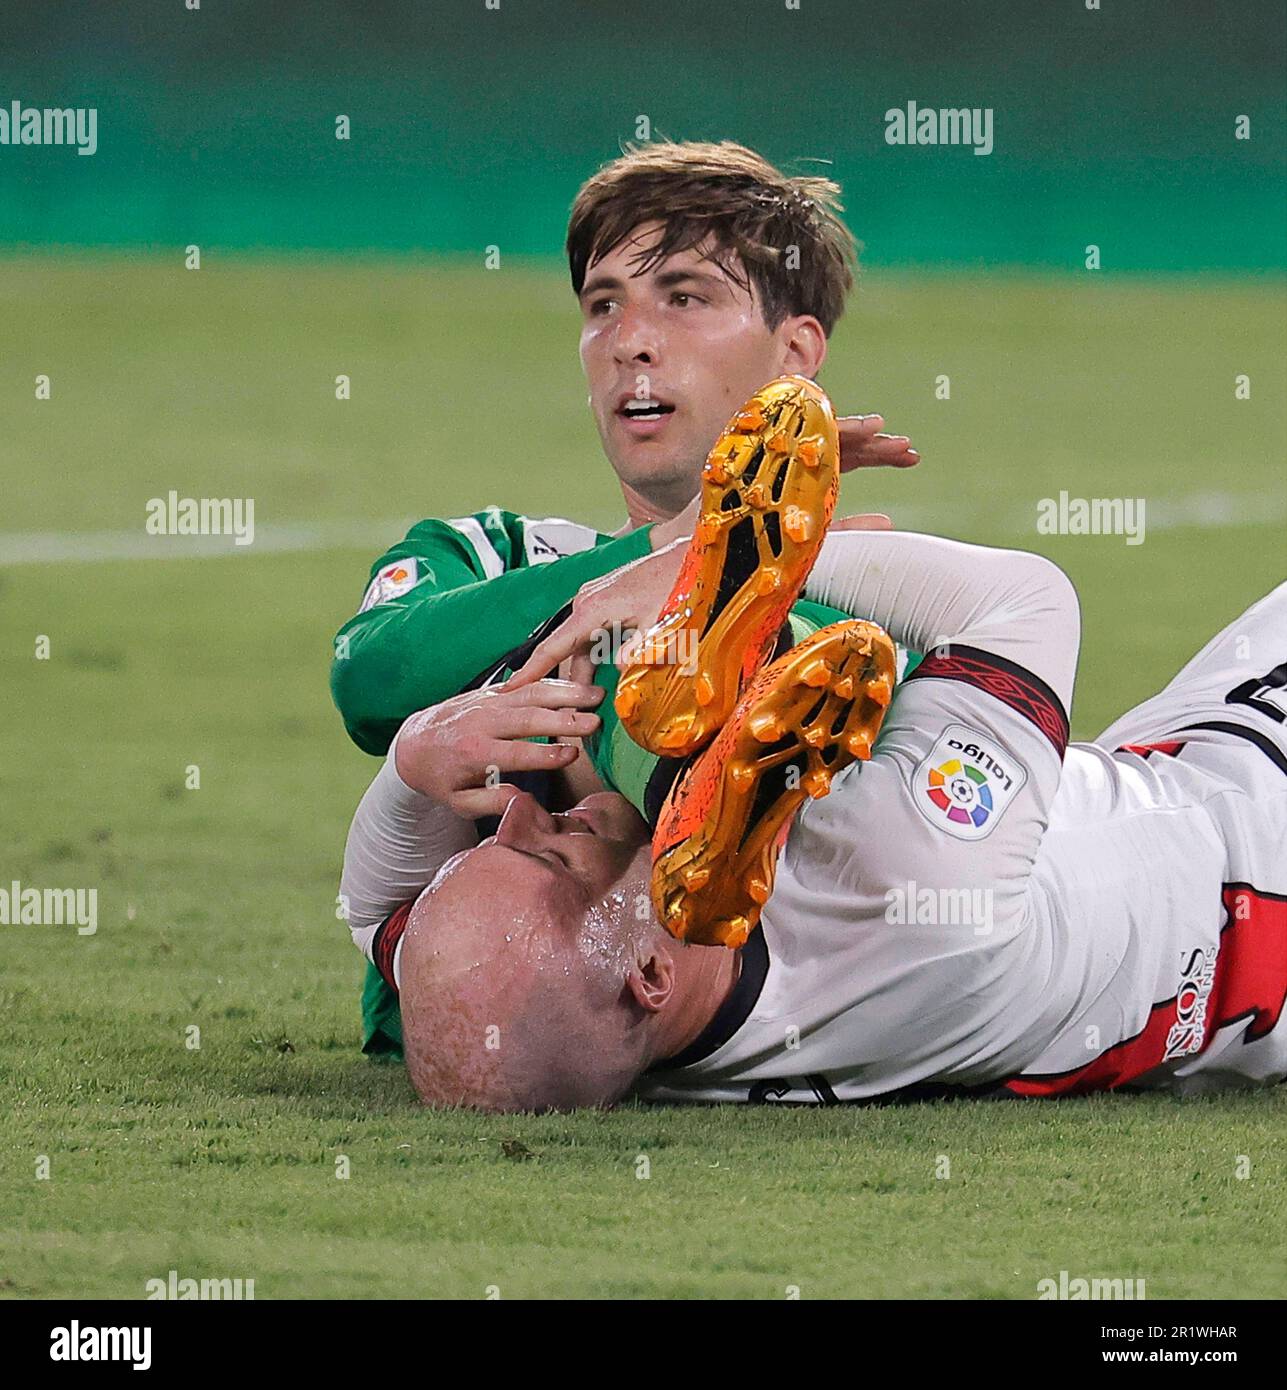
{"points": [[216, 905]]}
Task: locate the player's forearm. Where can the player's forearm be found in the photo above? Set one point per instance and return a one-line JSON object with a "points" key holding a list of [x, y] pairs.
{"points": [[428, 645], [927, 591], [397, 842]]}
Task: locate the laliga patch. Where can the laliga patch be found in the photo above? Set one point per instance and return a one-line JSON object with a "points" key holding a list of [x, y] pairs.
{"points": [[966, 782], [390, 583]]}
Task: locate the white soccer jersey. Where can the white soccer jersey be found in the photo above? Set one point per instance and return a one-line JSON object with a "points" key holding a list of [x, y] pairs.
{"points": [[974, 908]]}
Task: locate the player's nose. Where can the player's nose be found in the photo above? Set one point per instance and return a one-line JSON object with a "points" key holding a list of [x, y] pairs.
{"points": [[525, 823], [637, 339]]}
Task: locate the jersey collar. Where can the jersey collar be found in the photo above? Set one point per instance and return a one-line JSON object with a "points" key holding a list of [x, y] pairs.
{"points": [[733, 1012]]}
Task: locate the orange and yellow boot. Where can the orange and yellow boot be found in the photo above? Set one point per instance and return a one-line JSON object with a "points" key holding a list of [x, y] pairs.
{"points": [[769, 489], [802, 719]]}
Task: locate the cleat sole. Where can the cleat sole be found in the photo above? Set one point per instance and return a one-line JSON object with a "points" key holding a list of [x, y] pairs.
{"points": [[769, 490], [717, 840]]}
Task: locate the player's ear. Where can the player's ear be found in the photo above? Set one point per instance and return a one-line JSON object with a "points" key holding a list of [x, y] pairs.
{"points": [[652, 981], [804, 345]]}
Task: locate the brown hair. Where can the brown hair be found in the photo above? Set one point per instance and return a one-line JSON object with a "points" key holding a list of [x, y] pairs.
{"points": [[753, 213]]}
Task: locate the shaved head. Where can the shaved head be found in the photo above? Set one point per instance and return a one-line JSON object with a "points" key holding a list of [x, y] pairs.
{"points": [[533, 975]]}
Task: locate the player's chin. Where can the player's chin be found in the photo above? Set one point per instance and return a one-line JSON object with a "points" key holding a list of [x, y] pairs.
{"points": [[641, 462]]}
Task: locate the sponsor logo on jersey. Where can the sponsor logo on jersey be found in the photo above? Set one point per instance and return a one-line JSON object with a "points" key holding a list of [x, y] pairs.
{"points": [[540, 550], [553, 538], [966, 782], [393, 580], [1197, 972]]}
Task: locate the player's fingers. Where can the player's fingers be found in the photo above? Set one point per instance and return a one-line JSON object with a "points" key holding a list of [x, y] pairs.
{"points": [[548, 723], [858, 426], [581, 671], [893, 451], [517, 756], [550, 693], [482, 801], [863, 446], [574, 634]]}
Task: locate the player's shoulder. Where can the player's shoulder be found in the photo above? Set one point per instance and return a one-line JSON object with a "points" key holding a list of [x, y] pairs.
{"points": [[496, 540]]}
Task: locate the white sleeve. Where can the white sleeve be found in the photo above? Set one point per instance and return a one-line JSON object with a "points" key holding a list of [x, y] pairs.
{"points": [[958, 791], [928, 592], [398, 841]]}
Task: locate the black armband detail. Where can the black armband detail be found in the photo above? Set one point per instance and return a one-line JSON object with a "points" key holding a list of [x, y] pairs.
{"points": [[1013, 685]]}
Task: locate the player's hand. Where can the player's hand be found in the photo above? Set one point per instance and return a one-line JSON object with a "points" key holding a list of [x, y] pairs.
{"points": [[862, 445], [627, 600], [457, 751]]}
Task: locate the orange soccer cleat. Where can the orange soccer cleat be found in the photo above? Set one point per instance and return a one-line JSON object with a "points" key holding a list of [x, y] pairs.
{"points": [[769, 489], [812, 712]]}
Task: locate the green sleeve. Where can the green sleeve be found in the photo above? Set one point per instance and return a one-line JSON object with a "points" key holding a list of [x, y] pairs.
{"points": [[429, 643]]}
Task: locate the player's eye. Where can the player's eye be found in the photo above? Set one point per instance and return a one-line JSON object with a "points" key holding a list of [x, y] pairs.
{"points": [[599, 306], [682, 299]]}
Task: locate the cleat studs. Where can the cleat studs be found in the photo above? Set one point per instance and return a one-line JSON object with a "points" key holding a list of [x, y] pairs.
{"points": [[781, 442], [707, 530], [677, 734], [717, 473], [815, 673], [844, 687], [859, 744], [749, 419], [741, 775], [695, 879], [766, 727], [734, 932], [798, 524], [815, 736], [756, 497], [808, 453], [703, 690], [758, 890], [768, 580], [816, 783], [880, 691]]}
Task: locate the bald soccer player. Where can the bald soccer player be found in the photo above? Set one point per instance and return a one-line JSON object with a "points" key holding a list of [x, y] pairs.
{"points": [[1130, 921]]}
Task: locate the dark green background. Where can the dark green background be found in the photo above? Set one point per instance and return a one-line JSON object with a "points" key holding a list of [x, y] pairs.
{"points": [[474, 127]]}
